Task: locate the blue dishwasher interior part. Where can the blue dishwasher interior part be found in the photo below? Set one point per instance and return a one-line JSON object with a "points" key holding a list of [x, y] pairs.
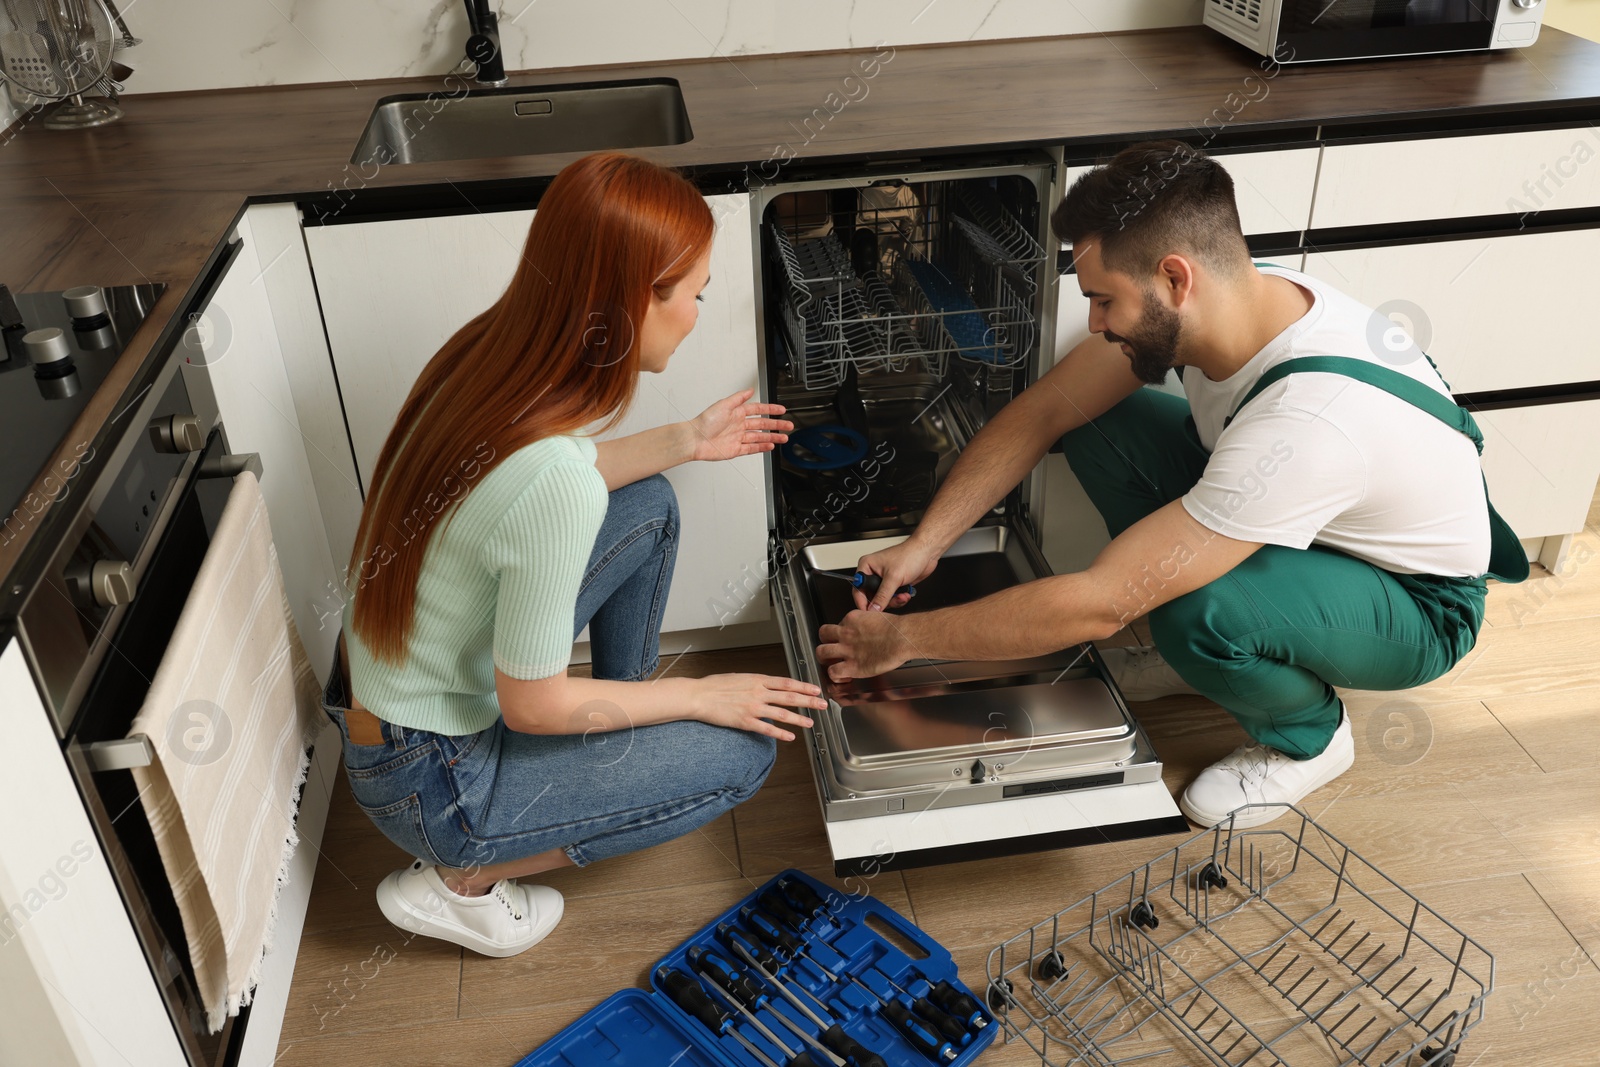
{"points": [[635, 1028]]}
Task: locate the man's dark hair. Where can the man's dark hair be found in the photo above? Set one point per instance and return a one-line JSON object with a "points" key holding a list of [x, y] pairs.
{"points": [[1151, 200]]}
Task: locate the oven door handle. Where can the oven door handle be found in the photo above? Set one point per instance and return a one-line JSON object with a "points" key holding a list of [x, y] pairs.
{"points": [[229, 465], [122, 754]]}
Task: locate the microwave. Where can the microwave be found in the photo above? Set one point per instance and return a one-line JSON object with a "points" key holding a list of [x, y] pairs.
{"points": [[1310, 31]]}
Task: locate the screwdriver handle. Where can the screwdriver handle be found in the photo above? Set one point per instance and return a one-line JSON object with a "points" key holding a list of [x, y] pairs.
{"points": [[734, 937], [946, 1024], [806, 1059], [959, 1004], [774, 935], [921, 1036], [687, 994], [775, 905], [851, 1049], [802, 896], [869, 583], [729, 977]]}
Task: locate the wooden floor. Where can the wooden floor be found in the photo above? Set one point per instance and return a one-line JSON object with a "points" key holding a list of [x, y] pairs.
{"points": [[1480, 792]]}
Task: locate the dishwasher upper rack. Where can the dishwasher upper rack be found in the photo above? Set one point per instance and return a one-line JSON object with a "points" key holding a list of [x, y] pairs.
{"points": [[908, 307], [1282, 948]]}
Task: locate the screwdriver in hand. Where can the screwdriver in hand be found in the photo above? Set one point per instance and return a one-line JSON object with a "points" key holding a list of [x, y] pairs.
{"points": [[868, 583]]}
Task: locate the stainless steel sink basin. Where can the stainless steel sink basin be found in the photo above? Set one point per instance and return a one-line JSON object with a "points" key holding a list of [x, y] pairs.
{"points": [[520, 121]]}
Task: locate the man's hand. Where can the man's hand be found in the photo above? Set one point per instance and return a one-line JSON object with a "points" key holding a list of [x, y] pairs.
{"points": [[905, 564], [862, 645]]}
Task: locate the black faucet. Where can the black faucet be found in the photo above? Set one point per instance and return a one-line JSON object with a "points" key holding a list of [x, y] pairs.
{"points": [[483, 46]]}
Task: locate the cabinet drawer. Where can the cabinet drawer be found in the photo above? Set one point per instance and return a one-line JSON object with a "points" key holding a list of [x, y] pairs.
{"points": [[1494, 313], [1273, 189], [1542, 464], [1452, 177]]}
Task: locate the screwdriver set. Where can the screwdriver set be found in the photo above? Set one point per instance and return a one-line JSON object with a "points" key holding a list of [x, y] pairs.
{"points": [[798, 974]]}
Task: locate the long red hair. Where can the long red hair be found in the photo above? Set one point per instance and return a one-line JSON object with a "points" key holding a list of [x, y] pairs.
{"points": [[557, 352]]}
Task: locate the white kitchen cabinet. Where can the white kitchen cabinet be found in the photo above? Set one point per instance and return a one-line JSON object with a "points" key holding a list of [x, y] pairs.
{"points": [[1542, 464], [234, 352], [74, 984], [1453, 177], [1493, 312], [1273, 187], [393, 292]]}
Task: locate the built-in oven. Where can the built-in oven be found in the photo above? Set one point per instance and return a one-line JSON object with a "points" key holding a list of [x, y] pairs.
{"points": [[899, 313], [95, 608], [1306, 31]]}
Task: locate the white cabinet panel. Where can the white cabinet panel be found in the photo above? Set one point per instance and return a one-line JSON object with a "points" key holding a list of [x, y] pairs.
{"points": [[1494, 313], [75, 987], [1450, 177], [1542, 464], [234, 351], [393, 292], [1273, 188]]}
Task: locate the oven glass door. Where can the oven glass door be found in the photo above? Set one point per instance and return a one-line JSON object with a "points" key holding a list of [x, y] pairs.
{"points": [[114, 697], [1350, 29]]}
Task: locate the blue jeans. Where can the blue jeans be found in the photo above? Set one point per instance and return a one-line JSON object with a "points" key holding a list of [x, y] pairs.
{"points": [[499, 796]]}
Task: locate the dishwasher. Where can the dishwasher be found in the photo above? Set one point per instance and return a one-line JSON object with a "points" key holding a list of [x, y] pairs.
{"points": [[898, 313]]}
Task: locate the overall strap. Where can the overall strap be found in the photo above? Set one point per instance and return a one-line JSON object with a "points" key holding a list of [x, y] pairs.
{"points": [[1390, 381], [1507, 562]]}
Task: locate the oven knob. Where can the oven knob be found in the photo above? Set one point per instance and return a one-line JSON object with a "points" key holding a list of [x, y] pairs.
{"points": [[86, 304], [177, 433], [46, 346], [111, 582]]}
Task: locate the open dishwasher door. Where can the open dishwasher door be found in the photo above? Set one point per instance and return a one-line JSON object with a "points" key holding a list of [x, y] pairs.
{"points": [[899, 316]]}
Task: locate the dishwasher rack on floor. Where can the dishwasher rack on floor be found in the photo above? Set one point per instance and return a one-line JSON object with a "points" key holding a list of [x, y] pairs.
{"points": [[1270, 946]]}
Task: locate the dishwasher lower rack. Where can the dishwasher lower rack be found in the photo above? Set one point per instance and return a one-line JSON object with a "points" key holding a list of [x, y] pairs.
{"points": [[1276, 946]]}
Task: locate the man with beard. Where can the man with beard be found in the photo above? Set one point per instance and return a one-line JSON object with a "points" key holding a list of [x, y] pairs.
{"points": [[1312, 515]]}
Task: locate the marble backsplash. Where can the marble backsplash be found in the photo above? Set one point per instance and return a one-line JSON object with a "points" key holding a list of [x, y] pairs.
{"points": [[205, 44]]}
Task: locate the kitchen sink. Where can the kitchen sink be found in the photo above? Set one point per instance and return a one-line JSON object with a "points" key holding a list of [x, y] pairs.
{"points": [[524, 120]]}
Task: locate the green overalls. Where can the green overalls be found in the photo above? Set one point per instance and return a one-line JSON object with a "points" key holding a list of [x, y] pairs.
{"points": [[1270, 639]]}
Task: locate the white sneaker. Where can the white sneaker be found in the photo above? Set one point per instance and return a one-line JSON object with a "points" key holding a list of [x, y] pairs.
{"points": [[1258, 774], [503, 922], [1141, 673]]}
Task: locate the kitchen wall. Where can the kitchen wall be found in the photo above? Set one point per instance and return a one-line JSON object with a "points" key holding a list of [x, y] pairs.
{"points": [[201, 44], [1581, 17], [209, 44]]}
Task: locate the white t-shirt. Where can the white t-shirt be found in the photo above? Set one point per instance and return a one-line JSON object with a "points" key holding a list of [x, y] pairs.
{"points": [[1319, 458]]}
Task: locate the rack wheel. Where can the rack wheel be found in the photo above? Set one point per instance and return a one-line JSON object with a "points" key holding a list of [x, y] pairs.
{"points": [[1142, 914], [1210, 877], [1438, 1057], [1051, 966], [999, 996]]}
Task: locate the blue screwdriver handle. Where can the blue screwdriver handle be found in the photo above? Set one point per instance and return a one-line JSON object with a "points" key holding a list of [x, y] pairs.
{"points": [[869, 583]]}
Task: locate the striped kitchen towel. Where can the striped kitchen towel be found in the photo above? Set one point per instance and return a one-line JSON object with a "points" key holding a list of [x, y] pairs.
{"points": [[231, 713]]}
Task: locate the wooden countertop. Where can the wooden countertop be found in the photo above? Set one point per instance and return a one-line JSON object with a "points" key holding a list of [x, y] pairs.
{"points": [[150, 197], [146, 199]]}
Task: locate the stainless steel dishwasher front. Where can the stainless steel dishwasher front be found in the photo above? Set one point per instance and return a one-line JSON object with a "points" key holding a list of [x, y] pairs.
{"points": [[900, 314]]}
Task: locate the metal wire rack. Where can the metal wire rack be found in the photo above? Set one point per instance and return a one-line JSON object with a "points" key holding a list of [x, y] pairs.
{"points": [[935, 284], [1274, 947]]}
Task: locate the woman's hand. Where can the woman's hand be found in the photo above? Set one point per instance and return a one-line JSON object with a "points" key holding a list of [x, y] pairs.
{"points": [[863, 645], [734, 426], [904, 564], [747, 701]]}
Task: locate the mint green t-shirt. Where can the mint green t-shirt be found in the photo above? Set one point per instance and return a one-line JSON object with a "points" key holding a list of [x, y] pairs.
{"points": [[498, 588]]}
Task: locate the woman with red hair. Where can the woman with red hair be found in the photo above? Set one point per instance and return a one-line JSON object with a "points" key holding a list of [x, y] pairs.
{"points": [[495, 530]]}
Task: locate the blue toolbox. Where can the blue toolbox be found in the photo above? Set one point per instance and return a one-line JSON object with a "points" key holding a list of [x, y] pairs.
{"points": [[795, 975]]}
